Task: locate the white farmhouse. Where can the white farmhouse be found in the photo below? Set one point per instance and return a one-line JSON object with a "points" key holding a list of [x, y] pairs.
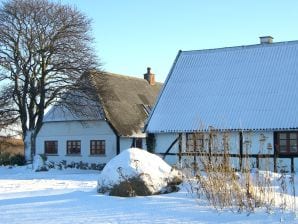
{"points": [[97, 135], [248, 93]]}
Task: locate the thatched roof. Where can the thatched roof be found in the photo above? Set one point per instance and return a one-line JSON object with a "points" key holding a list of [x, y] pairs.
{"points": [[125, 100]]}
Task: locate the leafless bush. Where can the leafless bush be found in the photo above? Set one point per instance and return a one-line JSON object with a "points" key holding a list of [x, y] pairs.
{"points": [[214, 178]]}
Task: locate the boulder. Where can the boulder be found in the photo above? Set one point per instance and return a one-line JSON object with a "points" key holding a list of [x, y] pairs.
{"points": [[136, 172]]}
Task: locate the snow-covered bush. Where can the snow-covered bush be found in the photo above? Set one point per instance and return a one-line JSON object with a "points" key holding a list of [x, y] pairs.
{"points": [[137, 172], [63, 164]]}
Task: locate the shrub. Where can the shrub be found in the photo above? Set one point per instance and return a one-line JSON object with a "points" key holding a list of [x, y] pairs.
{"points": [[4, 159], [213, 177], [17, 159], [131, 187]]}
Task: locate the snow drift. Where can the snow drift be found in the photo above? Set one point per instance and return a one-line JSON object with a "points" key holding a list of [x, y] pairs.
{"points": [[137, 172]]}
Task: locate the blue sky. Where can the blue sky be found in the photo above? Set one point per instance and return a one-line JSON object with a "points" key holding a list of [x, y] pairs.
{"points": [[131, 35]]}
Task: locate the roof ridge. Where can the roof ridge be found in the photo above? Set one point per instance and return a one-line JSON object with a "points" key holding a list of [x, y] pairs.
{"points": [[274, 44], [130, 77], [123, 76]]}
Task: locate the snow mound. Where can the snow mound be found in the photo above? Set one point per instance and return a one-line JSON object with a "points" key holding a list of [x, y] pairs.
{"points": [[39, 164], [134, 168]]}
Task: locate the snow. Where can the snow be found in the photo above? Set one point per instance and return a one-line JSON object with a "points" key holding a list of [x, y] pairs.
{"points": [[236, 88], [38, 163], [134, 162], [69, 196]]}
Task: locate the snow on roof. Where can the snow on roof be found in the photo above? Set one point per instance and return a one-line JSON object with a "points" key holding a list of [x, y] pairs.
{"points": [[61, 113], [81, 108], [248, 87]]}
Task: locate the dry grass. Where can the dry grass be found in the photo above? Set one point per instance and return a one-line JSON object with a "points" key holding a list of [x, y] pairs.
{"points": [[11, 145], [213, 177]]}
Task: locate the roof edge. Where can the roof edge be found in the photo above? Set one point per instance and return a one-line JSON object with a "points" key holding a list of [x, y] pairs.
{"points": [[128, 76], [221, 130], [274, 44], [161, 91]]}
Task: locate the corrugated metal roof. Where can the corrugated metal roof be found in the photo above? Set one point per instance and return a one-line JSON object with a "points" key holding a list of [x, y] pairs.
{"points": [[248, 87]]}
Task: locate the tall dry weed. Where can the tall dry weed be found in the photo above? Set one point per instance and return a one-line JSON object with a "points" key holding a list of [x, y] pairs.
{"points": [[212, 176]]}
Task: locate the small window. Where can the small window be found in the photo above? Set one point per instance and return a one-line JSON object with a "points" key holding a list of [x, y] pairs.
{"points": [[73, 147], [51, 147], [194, 142], [97, 147], [139, 143], [287, 142]]}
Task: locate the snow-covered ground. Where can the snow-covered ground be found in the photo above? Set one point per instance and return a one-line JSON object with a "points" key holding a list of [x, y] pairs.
{"points": [[70, 196]]}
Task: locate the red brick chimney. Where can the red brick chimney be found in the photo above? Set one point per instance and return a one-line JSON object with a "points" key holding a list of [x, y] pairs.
{"points": [[150, 77]]}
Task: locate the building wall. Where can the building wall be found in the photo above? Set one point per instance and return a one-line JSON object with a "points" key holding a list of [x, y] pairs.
{"points": [[254, 143], [74, 130], [163, 142], [126, 143], [259, 142]]}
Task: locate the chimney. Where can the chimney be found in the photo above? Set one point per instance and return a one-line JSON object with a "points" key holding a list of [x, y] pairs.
{"points": [[150, 77], [266, 40]]}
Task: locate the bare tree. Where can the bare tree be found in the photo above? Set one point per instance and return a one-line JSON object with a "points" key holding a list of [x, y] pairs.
{"points": [[8, 115], [45, 47]]}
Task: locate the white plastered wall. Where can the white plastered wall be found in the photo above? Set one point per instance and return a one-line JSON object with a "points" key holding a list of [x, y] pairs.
{"points": [[75, 130], [257, 142], [126, 143], [163, 142]]}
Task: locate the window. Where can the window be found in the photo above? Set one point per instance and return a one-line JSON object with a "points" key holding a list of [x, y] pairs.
{"points": [[194, 142], [97, 147], [51, 147], [287, 142], [139, 143], [73, 147]]}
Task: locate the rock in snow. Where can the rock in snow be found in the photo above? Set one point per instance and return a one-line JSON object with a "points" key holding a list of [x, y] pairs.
{"points": [[137, 172]]}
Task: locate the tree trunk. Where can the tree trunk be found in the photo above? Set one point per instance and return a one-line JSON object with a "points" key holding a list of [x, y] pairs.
{"points": [[27, 145], [33, 144], [30, 144]]}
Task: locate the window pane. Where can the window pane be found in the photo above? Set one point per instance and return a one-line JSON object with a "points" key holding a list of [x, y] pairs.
{"points": [[293, 145], [195, 142], [97, 147], [283, 143], [288, 142], [51, 147], [283, 148], [293, 136], [73, 147]]}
